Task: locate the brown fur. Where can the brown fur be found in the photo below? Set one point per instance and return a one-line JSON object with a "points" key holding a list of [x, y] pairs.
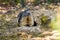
{"points": [[26, 21]]}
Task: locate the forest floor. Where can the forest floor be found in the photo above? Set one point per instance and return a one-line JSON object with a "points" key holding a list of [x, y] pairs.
{"points": [[8, 25]]}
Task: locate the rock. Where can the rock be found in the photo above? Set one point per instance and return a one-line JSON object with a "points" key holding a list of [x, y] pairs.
{"points": [[30, 30]]}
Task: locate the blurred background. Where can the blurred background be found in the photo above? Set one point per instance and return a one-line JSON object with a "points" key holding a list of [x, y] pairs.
{"points": [[46, 13]]}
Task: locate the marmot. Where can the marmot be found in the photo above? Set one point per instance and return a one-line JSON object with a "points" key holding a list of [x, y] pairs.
{"points": [[25, 18]]}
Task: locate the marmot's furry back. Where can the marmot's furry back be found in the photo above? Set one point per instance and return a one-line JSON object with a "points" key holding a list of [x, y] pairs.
{"points": [[25, 18]]}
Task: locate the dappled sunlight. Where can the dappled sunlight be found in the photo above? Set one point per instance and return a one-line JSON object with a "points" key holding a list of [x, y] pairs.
{"points": [[57, 23]]}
